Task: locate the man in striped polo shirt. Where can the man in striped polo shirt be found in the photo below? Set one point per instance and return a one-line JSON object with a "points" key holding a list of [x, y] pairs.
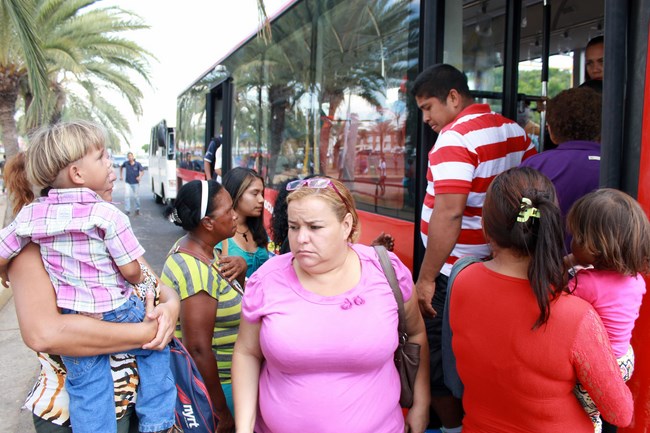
{"points": [[474, 145]]}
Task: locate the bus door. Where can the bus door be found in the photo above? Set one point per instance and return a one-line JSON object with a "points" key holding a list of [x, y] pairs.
{"points": [[219, 122]]}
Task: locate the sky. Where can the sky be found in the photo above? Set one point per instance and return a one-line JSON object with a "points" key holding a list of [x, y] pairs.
{"points": [[187, 39]]}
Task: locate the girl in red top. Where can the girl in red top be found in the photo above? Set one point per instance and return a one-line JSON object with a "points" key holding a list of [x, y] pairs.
{"points": [[521, 342]]}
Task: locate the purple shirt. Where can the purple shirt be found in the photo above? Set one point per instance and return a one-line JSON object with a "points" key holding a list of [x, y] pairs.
{"points": [[83, 240], [573, 167]]}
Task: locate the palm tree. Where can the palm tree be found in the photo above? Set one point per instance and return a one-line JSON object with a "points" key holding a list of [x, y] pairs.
{"points": [[21, 60], [85, 57], [89, 59]]}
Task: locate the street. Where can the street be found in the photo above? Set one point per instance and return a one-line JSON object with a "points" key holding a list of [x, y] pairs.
{"points": [[19, 365]]}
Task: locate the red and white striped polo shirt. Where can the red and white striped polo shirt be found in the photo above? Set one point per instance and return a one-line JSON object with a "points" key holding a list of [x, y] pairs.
{"points": [[470, 152]]}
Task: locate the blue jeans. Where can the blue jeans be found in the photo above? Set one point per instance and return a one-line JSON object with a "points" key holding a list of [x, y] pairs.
{"points": [[90, 384], [132, 193]]}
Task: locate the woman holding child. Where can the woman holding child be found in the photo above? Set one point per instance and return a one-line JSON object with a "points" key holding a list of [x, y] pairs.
{"points": [[521, 342], [90, 253]]}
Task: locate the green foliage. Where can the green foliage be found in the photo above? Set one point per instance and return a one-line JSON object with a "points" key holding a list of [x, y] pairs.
{"points": [[77, 46], [530, 82]]}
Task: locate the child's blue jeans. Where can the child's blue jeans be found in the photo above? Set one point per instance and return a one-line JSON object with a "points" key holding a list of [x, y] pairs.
{"points": [[90, 384]]}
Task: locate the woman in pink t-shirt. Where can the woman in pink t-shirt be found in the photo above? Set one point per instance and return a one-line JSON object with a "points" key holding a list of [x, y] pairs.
{"points": [[315, 351], [612, 234]]}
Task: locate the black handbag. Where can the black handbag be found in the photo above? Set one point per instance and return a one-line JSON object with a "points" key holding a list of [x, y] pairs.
{"points": [[407, 355]]}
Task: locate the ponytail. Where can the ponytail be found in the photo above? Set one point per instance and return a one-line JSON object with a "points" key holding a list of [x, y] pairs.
{"points": [[546, 249], [520, 213], [15, 178]]}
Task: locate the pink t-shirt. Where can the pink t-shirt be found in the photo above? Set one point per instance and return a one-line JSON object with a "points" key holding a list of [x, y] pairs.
{"points": [[328, 361], [617, 300]]}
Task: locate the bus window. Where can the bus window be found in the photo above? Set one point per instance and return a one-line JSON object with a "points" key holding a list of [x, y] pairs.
{"points": [[362, 67], [474, 43]]}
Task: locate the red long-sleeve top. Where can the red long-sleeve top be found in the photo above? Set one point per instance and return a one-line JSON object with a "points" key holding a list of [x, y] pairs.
{"points": [[519, 379]]}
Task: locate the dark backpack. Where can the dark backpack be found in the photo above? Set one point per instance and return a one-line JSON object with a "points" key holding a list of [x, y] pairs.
{"points": [[194, 411]]}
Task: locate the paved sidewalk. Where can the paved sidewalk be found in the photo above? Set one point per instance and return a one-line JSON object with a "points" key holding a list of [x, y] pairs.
{"points": [[18, 363]]}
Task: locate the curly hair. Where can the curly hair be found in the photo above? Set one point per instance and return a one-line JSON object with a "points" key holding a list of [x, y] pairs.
{"points": [[279, 221], [575, 114]]}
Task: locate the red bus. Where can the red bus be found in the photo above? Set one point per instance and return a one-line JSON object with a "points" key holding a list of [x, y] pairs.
{"points": [[329, 95]]}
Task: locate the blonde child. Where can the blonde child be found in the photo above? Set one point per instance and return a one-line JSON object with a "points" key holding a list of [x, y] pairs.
{"points": [[611, 238], [91, 255]]}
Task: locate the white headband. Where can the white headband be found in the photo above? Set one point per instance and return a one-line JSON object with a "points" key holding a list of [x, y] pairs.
{"points": [[204, 197]]}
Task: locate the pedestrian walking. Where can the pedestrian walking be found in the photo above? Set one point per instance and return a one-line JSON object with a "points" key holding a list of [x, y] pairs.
{"points": [[134, 172]]}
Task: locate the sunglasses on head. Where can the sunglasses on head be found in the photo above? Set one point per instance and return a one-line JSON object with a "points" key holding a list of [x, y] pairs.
{"points": [[316, 183]]}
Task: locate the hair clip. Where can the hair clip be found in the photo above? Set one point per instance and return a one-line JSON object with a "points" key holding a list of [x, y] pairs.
{"points": [[175, 217], [526, 210]]}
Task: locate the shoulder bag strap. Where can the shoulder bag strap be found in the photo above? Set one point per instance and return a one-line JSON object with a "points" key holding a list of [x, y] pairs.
{"points": [[389, 272], [211, 263]]}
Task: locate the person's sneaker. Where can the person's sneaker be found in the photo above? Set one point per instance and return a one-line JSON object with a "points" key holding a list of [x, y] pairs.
{"points": [[137, 212]]}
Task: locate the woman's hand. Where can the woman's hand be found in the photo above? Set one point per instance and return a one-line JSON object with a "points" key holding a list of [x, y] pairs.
{"points": [[226, 422], [232, 267], [417, 419], [164, 316]]}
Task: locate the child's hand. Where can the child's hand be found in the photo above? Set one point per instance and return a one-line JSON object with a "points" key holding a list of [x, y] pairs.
{"points": [[384, 239]]}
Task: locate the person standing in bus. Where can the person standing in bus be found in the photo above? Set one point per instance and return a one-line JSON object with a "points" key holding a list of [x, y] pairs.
{"points": [[573, 120], [212, 159], [134, 172], [474, 145], [594, 58]]}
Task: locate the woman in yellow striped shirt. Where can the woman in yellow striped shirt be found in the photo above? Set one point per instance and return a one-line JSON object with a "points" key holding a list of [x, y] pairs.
{"points": [[210, 304]]}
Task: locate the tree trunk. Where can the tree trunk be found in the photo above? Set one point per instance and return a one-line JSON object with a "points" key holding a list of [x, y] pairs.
{"points": [[279, 100], [8, 96], [335, 99]]}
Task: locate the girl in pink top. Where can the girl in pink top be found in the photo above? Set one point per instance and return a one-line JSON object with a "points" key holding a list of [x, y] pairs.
{"points": [[611, 235]]}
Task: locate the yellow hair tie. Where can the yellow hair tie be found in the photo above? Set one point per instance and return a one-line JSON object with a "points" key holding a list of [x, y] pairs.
{"points": [[526, 210]]}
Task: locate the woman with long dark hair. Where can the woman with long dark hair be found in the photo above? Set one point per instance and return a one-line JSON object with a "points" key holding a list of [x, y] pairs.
{"points": [[250, 240], [521, 341]]}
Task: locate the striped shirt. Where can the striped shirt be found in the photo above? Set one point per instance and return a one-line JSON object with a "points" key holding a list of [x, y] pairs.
{"points": [[469, 153], [83, 240], [188, 276]]}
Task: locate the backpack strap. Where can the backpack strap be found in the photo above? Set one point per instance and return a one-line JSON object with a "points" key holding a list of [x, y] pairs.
{"points": [[452, 379], [209, 262]]}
